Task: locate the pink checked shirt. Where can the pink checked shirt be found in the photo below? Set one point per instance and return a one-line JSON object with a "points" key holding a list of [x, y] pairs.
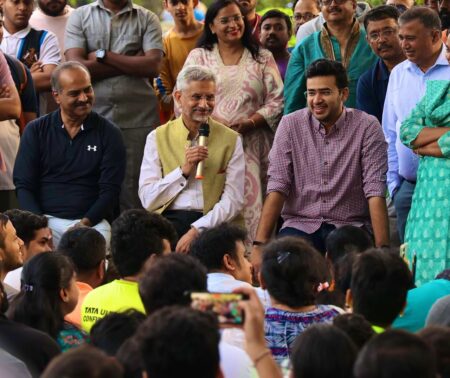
{"points": [[327, 178]]}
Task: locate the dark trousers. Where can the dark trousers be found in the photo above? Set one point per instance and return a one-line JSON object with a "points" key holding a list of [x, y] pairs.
{"points": [[317, 239], [182, 219], [402, 203]]}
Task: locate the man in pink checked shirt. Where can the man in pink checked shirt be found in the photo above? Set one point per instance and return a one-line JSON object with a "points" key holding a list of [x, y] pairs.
{"points": [[327, 166]]}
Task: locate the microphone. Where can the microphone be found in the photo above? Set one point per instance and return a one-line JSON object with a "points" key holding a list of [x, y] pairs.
{"points": [[202, 141]]}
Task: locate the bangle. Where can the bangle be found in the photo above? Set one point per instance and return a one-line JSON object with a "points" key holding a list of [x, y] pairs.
{"points": [[258, 243], [253, 122], [261, 356]]}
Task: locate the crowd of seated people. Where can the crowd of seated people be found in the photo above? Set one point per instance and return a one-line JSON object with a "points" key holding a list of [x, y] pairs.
{"points": [[210, 201]]}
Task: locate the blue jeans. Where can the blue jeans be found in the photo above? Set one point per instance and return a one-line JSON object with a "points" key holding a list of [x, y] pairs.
{"points": [[317, 239], [402, 203]]}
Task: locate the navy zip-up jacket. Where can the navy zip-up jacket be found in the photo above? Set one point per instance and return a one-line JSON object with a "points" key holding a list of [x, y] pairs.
{"points": [[70, 178]]}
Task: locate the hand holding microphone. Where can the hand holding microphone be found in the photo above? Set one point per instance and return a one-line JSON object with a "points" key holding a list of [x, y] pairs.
{"points": [[202, 142], [195, 155]]}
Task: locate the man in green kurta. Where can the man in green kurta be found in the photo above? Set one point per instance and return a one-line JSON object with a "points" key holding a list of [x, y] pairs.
{"points": [[341, 39]]}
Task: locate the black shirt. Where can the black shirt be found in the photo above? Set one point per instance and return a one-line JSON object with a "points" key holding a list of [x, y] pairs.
{"points": [[35, 348], [70, 178]]}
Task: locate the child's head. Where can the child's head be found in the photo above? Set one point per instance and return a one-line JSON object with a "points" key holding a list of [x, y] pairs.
{"points": [[85, 361], [293, 271], [380, 283], [356, 327], [182, 11], [323, 351], [438, 339], [347, 239], [48, 292], [393, 354]]}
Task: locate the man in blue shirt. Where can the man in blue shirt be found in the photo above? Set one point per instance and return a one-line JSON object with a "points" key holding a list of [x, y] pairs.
{"points": [[420, 38], [71, 163], [381, 24]]}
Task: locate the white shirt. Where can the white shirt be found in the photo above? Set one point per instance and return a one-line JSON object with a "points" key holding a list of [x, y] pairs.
{"points": [[49, 52], [155, 190], [309, 28], [13, 278], [234, 362], [226, 283]]}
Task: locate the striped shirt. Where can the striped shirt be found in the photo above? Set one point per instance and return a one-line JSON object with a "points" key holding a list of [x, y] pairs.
{"points": [[283, 327], [327, 178]]}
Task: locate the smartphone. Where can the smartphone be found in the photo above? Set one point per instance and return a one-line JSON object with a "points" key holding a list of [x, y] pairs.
{"points": [[224, 305]]}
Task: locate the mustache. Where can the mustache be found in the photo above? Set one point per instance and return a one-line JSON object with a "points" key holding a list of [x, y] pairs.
{"points": [[335, 9], [384, 46]]}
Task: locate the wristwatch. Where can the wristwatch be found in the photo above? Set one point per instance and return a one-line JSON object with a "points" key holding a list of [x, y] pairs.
{"points": [[100, 54]]}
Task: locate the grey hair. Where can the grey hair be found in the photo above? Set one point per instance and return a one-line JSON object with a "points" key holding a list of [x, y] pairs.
{"points": [[194, 73], [71, 65]]}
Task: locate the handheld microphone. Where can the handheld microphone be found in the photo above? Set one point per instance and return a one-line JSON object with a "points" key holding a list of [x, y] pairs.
{"points": [[202, 141]]}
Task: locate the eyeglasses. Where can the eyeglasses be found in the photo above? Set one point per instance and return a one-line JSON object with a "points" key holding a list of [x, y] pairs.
{"points": [[226, 20], [328, 2], [198, 98], [307, 16], [386, 33], [322, 92]]}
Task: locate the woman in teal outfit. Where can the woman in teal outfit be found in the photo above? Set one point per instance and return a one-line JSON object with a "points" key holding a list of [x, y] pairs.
{"points": [[427, 132]]}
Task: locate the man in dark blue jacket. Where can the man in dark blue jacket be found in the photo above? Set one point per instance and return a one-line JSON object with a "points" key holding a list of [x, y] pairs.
{"points": [[381, 24], [71, 163]]}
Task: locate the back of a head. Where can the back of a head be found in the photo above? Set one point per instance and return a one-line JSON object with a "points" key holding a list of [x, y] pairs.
{"points": [[356, 327], [166, 280], [212, 244], [39, 303], [110, 332], [179, 342], [292, 271], [394, 354], [439, 314], [85, 246], [380, 282], [323, 351], [438, 339], [83, 362], [347, 239], [26, 223], [135, 236]]}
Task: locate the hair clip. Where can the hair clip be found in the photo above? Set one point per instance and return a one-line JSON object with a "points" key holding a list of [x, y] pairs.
{"points": [[28, 288], [323, 286], [283, 255]]}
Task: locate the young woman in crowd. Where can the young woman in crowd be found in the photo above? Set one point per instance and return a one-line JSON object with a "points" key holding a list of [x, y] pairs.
{"points": [[249, 96], [294, 273], [48, 293]]}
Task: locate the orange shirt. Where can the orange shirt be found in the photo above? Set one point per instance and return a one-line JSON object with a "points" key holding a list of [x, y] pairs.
{"points": [[75, 316]]}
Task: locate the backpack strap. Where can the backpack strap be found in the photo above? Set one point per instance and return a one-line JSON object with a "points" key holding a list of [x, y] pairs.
{"points": [[30, 47]]}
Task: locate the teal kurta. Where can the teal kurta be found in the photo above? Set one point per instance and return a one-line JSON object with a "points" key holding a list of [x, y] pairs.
{"points": [[428, 225], [309, 50]]}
